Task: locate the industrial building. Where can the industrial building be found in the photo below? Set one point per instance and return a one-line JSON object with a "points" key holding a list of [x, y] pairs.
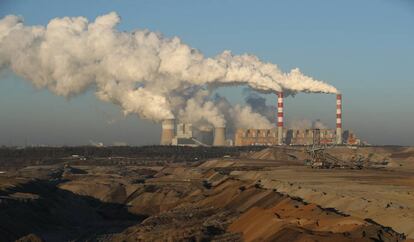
{"points": [[307, 136], [245, 137], [182, 135], [274, 136], [269, 137], [350, 138]]}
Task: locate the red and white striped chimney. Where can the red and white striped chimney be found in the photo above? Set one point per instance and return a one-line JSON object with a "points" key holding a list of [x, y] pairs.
{"points": [[338, 118], [280, 118]]}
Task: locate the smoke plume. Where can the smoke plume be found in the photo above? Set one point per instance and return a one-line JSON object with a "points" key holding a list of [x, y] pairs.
{"points": [[258, 103], [307, 124], [143, 72]]}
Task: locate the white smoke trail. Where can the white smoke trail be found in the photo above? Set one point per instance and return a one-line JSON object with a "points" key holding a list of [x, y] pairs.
{"points": [[141, 71]]}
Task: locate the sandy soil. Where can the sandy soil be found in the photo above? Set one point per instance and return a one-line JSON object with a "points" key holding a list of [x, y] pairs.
{"points": [[384, 195], [261, 196]]}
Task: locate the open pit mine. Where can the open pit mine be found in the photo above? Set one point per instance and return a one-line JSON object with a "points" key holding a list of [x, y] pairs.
{"points": [[181, 193]]}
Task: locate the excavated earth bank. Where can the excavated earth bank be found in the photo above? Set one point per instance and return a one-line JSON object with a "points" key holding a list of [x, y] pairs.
{"points": [[167, 203]]}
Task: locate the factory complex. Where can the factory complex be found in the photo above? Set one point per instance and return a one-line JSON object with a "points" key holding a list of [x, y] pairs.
{"points": [[244, 137], [182, 133]]}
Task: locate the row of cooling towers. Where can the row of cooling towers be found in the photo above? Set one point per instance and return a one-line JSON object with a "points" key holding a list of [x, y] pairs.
{"points": [[167, 134]]}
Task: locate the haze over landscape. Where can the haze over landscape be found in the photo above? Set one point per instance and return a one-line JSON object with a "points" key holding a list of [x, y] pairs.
{"points": [[372, 67]]}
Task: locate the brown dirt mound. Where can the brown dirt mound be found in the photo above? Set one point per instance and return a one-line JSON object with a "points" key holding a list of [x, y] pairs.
{"points": [[276, 153], [294, 221]]}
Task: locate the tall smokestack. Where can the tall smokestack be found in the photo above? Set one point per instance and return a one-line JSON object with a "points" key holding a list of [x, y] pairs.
{"points": [[339, 119], [280, 118], [167, 133], [219, 136]]}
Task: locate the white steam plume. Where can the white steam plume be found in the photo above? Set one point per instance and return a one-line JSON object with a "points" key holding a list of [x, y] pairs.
{"points": [[241, 117], [258, 103], [244, 117], [196, 106], [141, 71]]}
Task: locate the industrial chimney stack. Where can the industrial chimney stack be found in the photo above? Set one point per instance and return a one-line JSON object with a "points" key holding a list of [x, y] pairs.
{"points": [[280, 118], [339, 119], [219, 136], [167, 133]]}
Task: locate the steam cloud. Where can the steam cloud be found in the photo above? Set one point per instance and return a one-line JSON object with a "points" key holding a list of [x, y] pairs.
{"points": [[141, 71]]}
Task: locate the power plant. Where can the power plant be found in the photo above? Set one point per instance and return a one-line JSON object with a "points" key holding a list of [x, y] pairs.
{"points": [[269, 137], [253, 136], [225, 169], [182, 135]]}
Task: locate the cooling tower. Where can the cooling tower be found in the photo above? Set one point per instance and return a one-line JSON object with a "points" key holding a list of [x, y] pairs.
{"points": [[280, 118], [167, 133], [219, 136], [339, 119], [206, 137]]}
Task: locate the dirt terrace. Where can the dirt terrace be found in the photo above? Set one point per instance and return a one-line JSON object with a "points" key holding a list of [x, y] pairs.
{"points": [[263, 196]]}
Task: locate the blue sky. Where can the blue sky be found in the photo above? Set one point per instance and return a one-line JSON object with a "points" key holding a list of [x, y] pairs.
{"points": [[364, 48]]}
